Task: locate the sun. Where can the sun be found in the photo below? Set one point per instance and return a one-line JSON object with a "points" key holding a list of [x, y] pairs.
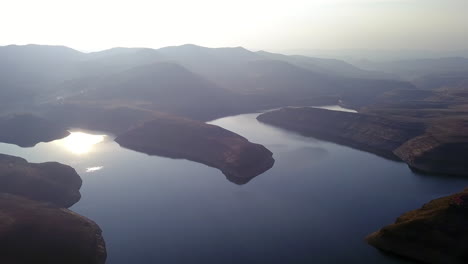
{"points": [[80, 143]]}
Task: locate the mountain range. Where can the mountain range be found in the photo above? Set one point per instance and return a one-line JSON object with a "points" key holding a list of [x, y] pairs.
{"points": [[189, 80]]}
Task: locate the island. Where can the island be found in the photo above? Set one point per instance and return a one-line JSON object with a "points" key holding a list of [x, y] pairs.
{"points": [[434, 145], [49, 181], [37, 232], [435, 233], [181, 138], [26, 129]]}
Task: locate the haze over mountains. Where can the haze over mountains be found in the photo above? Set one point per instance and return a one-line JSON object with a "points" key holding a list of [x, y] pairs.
{"points": [[180, 79], [379, 54]]}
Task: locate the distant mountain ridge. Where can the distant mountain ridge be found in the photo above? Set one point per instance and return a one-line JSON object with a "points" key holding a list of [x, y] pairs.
{"points": [[411, 69], [182, 79]]}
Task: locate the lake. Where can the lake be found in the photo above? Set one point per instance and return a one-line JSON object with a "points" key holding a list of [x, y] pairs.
{"points": [[315, 205]]}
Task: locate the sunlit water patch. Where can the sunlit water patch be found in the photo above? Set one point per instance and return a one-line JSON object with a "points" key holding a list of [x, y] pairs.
{"points": [[336, 108], [79, 142], [93, 169], [327, 107]]}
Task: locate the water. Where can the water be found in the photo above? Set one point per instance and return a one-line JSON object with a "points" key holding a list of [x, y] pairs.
{"points": [[327, 107], [336, 108], [315, 205]]}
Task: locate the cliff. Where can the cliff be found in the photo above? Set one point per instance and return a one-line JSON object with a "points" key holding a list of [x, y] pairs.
{"points": [[441, 149]]}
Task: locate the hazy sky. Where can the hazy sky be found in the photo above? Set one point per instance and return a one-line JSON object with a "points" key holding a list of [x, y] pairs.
{"points": [[254, 24]]}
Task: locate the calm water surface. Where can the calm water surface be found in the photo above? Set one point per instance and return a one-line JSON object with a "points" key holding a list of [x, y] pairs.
{"points": [[336, 108], [315, 205]]}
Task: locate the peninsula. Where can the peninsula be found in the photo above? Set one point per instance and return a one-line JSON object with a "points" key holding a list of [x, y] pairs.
{"points": [[434, 146], [26, 129], [181, 138], [50, 182]]}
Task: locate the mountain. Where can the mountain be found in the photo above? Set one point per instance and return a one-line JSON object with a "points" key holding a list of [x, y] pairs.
{"points": [[416, 68], [449, 80], [286, 84], [159, 86], [327, 66], [116, 60], [188, 80], [26, 71], [355, 55], [220, 65], [277, 79]]}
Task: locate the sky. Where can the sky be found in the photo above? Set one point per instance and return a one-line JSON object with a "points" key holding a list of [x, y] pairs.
{"points": [[91, 25]]}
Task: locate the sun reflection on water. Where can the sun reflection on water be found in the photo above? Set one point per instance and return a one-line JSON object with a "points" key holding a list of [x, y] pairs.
{"points": [[80, 143], [93, 169]]}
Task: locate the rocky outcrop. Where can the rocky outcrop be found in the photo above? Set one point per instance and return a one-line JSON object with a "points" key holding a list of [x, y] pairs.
{"points": [[435, 233], [50, 181], [35, 232], [180, 138], [361, 131], [26, 130], [441, 150]]}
